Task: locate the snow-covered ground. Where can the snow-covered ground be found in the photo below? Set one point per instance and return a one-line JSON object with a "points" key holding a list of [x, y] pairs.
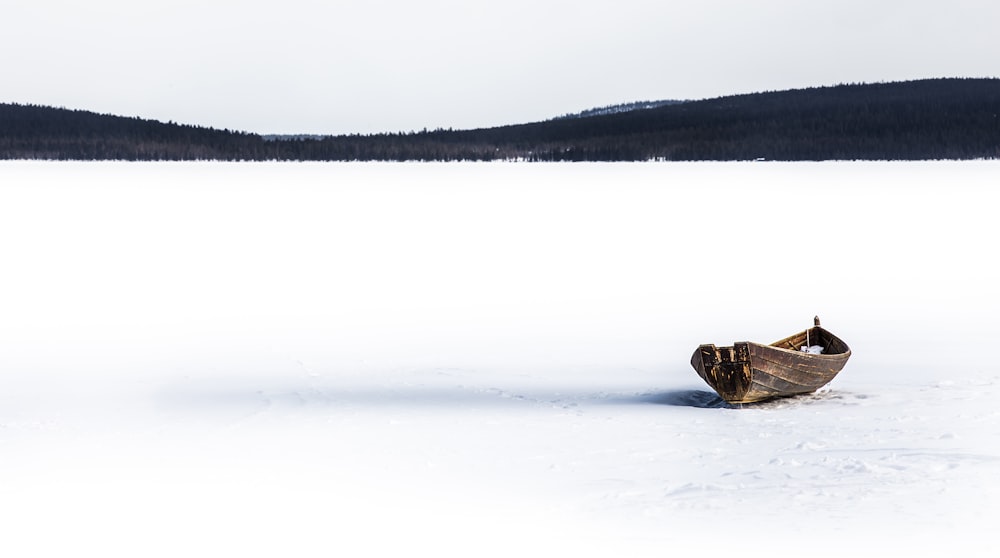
{"points": [[492, 359]]}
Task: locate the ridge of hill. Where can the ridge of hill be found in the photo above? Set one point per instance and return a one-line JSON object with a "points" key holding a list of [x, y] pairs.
{"points": [[619, 108]]}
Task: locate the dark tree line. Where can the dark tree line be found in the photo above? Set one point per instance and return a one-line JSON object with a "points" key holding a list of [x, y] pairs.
{"points": [[927, 119], [37, 132]]}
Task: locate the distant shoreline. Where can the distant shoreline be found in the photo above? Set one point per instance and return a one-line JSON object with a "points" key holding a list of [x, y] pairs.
{"points": [[935, 119]]}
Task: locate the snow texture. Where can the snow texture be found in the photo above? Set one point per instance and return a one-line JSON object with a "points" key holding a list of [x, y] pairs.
{"points": [[301, 360]]}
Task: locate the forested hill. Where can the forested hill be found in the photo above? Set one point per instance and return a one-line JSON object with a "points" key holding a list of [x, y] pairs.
{"points": [[927, 119], [36, 132]]}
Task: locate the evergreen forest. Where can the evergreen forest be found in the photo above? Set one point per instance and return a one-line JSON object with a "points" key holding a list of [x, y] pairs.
{"points": [[914, 120]]}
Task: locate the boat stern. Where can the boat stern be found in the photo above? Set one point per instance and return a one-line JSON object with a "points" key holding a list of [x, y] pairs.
{"points": [[727, 370]]}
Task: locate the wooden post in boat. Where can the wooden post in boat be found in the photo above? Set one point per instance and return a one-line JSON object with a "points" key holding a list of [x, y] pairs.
{"points": [[816, 324]]}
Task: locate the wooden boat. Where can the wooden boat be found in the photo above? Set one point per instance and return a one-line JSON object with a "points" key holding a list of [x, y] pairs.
{"points": [[749, 372]]}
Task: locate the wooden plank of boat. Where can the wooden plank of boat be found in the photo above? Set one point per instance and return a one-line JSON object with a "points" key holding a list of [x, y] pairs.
{"points": [[749, 372]]}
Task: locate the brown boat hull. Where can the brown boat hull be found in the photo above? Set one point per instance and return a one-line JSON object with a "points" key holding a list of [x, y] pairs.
{"points": [[749, 372]]}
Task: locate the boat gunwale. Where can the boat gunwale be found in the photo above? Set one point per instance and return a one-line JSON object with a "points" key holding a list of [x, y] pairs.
{"points": [[804, 354]]}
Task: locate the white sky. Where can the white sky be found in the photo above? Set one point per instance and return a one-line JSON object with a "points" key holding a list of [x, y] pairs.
{"points": [[311, 66]]}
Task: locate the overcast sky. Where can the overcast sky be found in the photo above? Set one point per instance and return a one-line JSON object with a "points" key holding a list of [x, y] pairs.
{"points": [[343, 66]]}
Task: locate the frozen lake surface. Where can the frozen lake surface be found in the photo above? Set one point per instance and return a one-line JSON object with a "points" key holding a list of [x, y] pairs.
{"points": [[206, 359]]}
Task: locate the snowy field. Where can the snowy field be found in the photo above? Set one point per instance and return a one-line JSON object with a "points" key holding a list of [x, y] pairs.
{"points": [[301, 360]]}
